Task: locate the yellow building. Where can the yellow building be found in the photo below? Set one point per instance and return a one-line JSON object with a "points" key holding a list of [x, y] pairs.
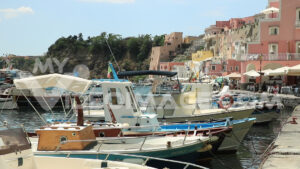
{"points": [[201, 55]]}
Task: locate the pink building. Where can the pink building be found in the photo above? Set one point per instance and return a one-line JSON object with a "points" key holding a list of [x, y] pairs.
{"points": [[233, 23], [169, 66], [222, 24], [279, 42], [222, 68], [232, 65]]}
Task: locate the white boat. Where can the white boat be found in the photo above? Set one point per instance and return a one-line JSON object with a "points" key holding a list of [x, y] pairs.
{"points": [[6, 101], [194, 103]]}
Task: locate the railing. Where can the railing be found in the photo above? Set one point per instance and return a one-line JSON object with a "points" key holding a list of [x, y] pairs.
{"points": [[146, 158], [271, 57]]}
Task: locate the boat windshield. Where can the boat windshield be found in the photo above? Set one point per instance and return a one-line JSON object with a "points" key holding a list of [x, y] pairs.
{"points": [[13, 140]]}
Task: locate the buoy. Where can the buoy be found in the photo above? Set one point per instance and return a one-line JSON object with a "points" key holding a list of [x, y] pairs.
{"points": [[227, 106]]}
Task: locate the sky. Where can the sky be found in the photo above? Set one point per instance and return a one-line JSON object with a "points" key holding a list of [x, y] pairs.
{"points": [[29, 27]]}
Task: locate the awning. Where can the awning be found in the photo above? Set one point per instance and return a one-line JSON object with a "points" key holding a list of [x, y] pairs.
{"points": [[266, 71], [252, 73], [270, 10], [70, 83], [278, 72], [234, 76], [293, 71]]}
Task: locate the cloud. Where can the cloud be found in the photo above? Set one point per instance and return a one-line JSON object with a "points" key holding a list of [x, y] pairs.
{"points": [[12, 13], [110, 1]]}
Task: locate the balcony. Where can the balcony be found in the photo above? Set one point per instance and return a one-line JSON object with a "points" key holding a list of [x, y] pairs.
{"points": [[297, 24], [271, 57]]}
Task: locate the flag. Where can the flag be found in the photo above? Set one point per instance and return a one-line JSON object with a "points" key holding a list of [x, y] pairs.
{"points": [[108, 72]]}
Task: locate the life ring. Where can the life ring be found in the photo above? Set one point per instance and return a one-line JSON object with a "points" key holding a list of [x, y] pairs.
{"points": [[227, 106]]}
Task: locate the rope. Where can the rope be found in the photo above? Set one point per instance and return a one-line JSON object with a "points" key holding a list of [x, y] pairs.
{"points": [[34, 108], [48, 107], [62, 103], [112, 55]]}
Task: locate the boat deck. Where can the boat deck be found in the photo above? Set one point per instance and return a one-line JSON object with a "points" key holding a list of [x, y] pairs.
{"points": [[134, 144], [286, 148]]}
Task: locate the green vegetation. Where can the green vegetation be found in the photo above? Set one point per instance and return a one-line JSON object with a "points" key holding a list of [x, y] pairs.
{"points": [[131, 53]]}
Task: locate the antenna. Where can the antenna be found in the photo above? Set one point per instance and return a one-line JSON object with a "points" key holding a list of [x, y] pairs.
{"points": [[112, 55]]}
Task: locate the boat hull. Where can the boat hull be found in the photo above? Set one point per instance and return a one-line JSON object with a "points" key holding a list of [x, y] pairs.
{"points": [[233, 140], [234, 113], [166, 152]]}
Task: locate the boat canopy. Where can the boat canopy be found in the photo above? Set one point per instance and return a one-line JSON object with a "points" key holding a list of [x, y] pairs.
{"points": [[146, 72], [70, 83]]}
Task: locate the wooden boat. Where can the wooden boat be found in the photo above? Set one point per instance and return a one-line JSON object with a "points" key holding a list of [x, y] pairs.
{"points": [[81, 141], [16, 153]]}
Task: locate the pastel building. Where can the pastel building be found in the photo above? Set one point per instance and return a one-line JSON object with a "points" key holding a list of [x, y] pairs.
{"points": [[201, 55], [159, 54], [169, 66], [181, 68], [279, 39]]}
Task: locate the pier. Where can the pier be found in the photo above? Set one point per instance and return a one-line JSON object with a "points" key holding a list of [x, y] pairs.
{"points": [[284, 152], [287, 100]]}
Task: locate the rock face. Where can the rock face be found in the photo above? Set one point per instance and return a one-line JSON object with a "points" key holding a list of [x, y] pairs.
{"points": [[232, 44]]}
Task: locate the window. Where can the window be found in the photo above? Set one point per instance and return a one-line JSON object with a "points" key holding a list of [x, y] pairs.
{"points": [[298, 47], [116, 97], [274, 30], [63, 139], [225, 68], [236, 68], [132, 98], [273, 49], [231, 68], [298, 14], [213, 67]]}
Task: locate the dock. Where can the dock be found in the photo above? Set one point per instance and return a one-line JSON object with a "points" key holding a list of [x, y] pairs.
{"points": [[284, 153], [287, 100]]}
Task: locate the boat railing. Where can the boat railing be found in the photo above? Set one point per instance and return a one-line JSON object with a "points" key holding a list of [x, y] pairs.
{"points": [[146, 159], [101, 141]]}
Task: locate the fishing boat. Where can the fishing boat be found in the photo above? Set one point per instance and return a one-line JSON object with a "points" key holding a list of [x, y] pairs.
{"points": [[265, 111], [180, 102], [80, 140], [40, 98], [16, 153]]}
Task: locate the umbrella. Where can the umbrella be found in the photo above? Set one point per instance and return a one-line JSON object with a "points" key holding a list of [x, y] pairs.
{"points": [[252, 73], [293, 71], [234, 76], [266, 71], [270, 10], [278, 72]]}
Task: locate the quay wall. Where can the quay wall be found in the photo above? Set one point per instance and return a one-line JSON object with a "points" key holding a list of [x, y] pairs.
{"points": [[284, 152]]}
